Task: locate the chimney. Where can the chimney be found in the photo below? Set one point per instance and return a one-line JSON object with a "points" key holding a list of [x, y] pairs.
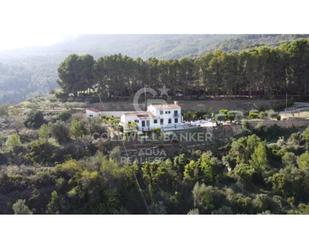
{"points": [[176, 102]]}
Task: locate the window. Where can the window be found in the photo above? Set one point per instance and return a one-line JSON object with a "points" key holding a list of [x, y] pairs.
{"points": [[143, 123], [169, 121], [161, 121], [161, 112], [176, 113], [136, 121], [155, 121], [167, 112], [176, 120]]}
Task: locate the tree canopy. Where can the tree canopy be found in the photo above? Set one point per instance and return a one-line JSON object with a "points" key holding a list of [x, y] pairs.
{"points": [[261, 71]]}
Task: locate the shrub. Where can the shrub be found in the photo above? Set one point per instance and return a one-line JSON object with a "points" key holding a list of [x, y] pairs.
{"points": [[303, 161], [234, 115], [44, 132], [303, 208], [223, 111], [264, 203], [61, 95], [291, 182], [12, 142], [262, 115], [77, 128], [289, 159], [306, 134], [253, 114], [220, 117], [96, 129], [54, 206], [231, 116], [60, 132], [34, 120], [207, 198], [244, 172], [189, 115], [20, 207], [64, 116], [41, 152], [115, 154], [69, 167], [245, 125]]}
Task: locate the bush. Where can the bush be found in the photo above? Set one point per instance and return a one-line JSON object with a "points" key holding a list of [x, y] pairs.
{"points": [[264, 203], [44, 132], [289, 159], [12, 142], [115, 154], [60, 132], [34, 120], [41, 152], [262, 115], [223, 111], [291, 182], [244, 172], [96, 129], [77, 128], [207, 198], [234, 115], [189, 116], [245, 125], [20, 207], [253, 114], [303, 161], [61, 96], [64, 116], [220, 117], [303, 208], [231, 116], [305, 134]]}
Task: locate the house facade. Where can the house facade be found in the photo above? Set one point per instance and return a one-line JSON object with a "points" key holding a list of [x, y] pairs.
{"points": [[93, 112], [157, 116]]}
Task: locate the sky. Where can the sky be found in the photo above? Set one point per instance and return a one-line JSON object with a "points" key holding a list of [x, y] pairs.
{"points": [[25, 23]]}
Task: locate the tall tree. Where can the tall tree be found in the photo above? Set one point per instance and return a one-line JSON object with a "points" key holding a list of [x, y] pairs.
{"points": [[76, 73]]}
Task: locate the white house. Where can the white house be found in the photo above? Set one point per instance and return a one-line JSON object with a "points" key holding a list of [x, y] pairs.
{"points": [[157, 116], [93, 112]]}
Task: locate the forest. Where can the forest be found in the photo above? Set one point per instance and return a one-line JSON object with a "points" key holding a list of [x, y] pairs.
{"points": [[261, 72], [26, 78]]}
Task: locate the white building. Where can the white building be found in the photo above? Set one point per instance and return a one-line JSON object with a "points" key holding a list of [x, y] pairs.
{"points": [[157, 116], [93, 112]]}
